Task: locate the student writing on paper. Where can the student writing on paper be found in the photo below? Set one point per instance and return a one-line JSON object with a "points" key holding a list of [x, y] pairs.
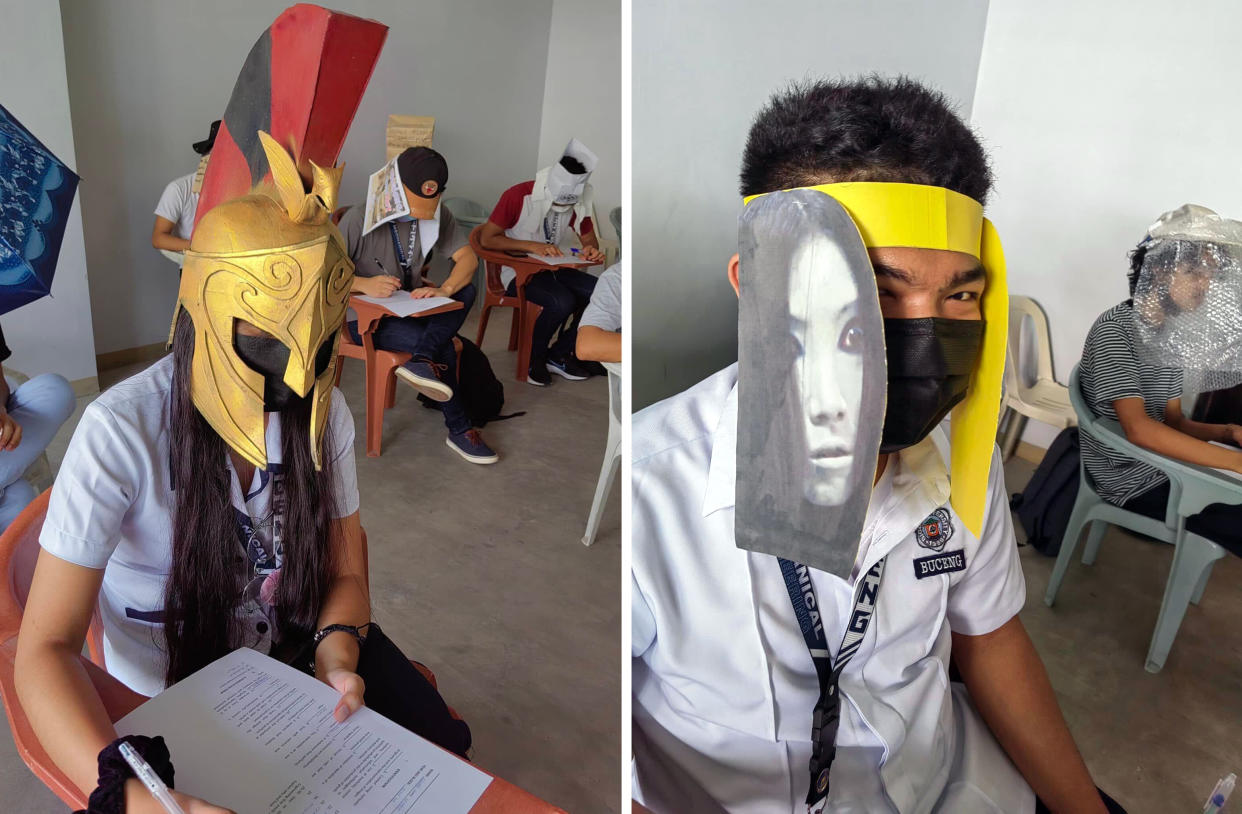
{"points": [[538, 216], [391, 257], [210, 502], [1130, 370]]}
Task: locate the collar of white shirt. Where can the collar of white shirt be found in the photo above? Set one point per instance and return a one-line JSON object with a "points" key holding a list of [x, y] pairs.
{"points": [[922, 468]]}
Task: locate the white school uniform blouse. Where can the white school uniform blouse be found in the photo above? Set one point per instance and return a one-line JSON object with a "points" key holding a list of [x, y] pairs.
{"points": [[112, 508], [723, 684]]}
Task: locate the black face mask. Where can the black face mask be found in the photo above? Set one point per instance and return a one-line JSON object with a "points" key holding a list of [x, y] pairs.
{"points": [[269, 356], [929, 366]]}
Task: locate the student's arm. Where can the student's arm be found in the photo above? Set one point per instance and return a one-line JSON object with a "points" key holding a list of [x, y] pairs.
{"points": [[162, 236], [348, 602], [494, 238], [590, 246], [56, 693], [464, 264], [1010, 688], [597, 345], [1159, 437], [1224, 433]]}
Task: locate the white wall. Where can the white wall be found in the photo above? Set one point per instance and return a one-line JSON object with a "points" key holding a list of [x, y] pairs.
{"points": [[146, 78], [52, 334], [582, 94], [701, 70], [1100, 116]]}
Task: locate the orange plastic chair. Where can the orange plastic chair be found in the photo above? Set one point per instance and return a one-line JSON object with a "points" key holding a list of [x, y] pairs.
{"points": [[19, 550], [381, 369], [522, 328]]}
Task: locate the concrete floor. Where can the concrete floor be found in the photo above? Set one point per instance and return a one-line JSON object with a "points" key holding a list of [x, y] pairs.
{"points": [[1157, 743], [479, 572]]}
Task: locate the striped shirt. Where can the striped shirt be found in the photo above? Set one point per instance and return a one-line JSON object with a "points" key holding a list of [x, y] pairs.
{"points": [[1111, 370]]}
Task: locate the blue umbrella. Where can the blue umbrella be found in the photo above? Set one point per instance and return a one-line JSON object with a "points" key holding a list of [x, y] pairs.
{"points": [[36, 193]]}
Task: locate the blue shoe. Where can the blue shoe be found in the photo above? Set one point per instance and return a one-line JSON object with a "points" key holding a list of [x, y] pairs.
{"points": [[424, 376], [469, 445]]}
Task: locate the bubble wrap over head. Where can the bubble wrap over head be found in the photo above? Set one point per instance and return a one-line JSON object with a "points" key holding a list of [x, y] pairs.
{"points": [[1188, 293]]}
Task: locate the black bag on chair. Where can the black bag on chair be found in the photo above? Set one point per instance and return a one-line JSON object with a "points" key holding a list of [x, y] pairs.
{"points": [[1044, 507], [398, 691]]}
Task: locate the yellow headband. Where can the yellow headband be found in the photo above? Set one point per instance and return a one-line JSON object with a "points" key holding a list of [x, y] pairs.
{"points": [[923, 217]]}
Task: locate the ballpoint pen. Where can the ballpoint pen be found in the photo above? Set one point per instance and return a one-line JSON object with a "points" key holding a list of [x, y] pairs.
{"points": [[150, 779], [1220, 794]]}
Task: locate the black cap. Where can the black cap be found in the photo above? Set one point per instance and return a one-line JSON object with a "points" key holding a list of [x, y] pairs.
{"points": [[204, 147], [423, 171]]}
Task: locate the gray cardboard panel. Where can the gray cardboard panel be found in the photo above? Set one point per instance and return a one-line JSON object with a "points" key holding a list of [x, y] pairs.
{"points": [[811, 381]]}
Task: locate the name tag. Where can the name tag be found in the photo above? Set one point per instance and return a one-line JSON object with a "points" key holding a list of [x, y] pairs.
{"points": [[946, 563]]}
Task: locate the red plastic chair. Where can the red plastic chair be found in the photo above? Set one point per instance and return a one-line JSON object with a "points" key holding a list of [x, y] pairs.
{"points": [[525, 313]]}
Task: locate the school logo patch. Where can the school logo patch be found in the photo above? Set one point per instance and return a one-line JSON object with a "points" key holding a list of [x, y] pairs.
{"points": [[935, 531], [429, 189], [925, 567]]}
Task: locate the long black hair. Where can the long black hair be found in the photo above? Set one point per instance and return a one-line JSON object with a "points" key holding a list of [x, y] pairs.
{"points": [[209, 563]]}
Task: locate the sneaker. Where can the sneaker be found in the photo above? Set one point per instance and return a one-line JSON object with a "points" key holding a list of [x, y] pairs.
{"points": [[469, 445], [594, 368], [538, 376], [567, 367], [424, 376]]}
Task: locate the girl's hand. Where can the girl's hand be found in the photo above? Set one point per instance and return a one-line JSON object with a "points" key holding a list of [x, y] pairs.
{"points": [[10, 432], [351, 688], [139, 801]]}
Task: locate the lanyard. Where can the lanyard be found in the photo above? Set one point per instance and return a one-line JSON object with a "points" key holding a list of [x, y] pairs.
{"points": [[827, 714], [401, 257]]}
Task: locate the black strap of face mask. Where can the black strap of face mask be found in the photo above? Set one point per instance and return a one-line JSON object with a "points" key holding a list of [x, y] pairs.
{"points": [[827, 715]]}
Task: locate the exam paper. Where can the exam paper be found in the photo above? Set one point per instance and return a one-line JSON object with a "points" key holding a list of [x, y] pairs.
{"points": [[256, 735], [403, 305], [557, 261]]}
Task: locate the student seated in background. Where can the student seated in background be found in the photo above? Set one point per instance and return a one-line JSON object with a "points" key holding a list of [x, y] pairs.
{"points": [[204, 506], [537, 217], [392, 257], [599, 330], [174, 214], [1147, 401], [30, 415]]}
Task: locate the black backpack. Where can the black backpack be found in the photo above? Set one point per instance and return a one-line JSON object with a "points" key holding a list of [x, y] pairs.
{"points": [[481, 394], [1044, 507]]}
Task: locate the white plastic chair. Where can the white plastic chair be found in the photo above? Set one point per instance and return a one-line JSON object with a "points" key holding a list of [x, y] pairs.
{"points": [[1191, 489], [612, 454], [1047, 399]]}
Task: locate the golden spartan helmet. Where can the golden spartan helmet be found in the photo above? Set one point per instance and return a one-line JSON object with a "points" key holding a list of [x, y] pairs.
{"points": [[274, 259]]}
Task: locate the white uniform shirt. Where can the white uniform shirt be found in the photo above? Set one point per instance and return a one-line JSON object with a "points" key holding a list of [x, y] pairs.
{"points": [[178, 204], [112, 508], [723, 684]]}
